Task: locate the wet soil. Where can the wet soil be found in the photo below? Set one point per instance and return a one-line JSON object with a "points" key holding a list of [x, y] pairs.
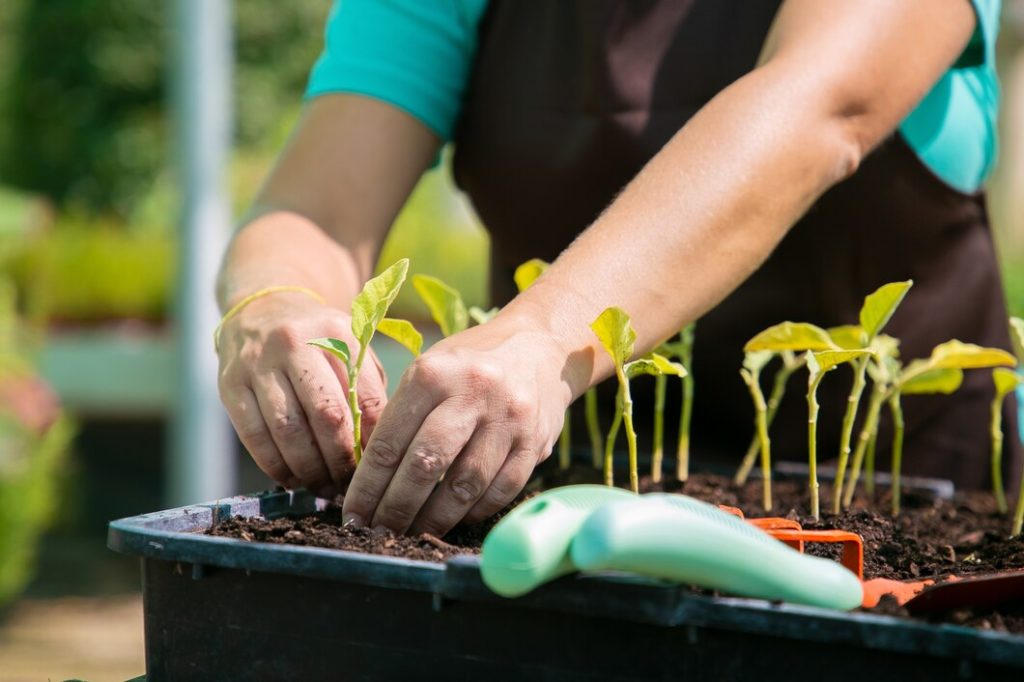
{"points": [[931, 538]]}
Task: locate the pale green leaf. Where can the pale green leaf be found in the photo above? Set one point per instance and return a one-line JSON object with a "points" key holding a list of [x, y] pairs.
{"points": [[848, 336], [830, 359], [615, 333], [481, 316], [1006, 380], [654, 364], [371, 305], [527, 273], [335, 347], [813, 367], [444, 302], [968, 356], [754, 361], [1017, 334], [403, 332], [885, 346], [797, 336], [879, 306], [944, 380]]}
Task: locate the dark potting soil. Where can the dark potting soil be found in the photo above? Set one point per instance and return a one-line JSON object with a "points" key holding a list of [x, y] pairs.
{"points": [[931, 538]]}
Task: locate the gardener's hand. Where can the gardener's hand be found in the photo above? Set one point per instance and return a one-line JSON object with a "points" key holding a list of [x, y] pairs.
{"points": [[287, 400], [480, 409]]}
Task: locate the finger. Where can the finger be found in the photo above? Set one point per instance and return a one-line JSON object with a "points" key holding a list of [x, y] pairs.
{"points": [[439, 441], [372, 390], [291, 433], [509, 482], [401, 419], [321, 395], [465, 481], [244, 413]]}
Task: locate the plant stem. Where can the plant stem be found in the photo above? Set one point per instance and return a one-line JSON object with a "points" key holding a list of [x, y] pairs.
{"points": [[609, 445], [870, 426], [593, 427], [852, 403], [897, 449], [869, 462], [997, 453], [627, 419], [761, 424], [353, 404], [812, 444], [685, 415], [1018, 515], [658, 454], [778, 391], [564, 442]]}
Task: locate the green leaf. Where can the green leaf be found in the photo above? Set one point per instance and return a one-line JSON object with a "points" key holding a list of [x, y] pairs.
{"points": [[798, 336], [654, 364], [968, 356], [848, 336], [444, 302], [1006, 380], [616, 334], [527, 273], [335, 347], [879, 306], [481, 316], [830, 359], [945, 380], [754, 361], [885, 346], [403, 332], [372, 303], [1017, 334]]}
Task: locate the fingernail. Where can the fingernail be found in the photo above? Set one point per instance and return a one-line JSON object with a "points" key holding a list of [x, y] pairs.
{"points": [[351, 520]]}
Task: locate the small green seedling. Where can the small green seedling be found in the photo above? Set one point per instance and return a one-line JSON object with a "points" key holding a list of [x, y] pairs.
{"points": [[444, 303], [1017, 333], [681, 350], [818, 364], [481, 316], [791, 362], [941, 372], [613, 329], [875, 313], [778, 339], [369, 309], [1006, 381]]}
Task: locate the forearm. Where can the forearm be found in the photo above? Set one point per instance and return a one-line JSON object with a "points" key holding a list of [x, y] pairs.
{"points": [[713, 203], [321, 217]]}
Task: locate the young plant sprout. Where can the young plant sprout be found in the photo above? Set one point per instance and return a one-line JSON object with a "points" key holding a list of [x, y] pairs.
{"points": [[818, 364], [613, 329], [369, 309], [1006, 381], [875, 313], [682, 350], [780, 338], [1017, 334], [791, 362], [481, 316], [444, 303], [941, 372]]}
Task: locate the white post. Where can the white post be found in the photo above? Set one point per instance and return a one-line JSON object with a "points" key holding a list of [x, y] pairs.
{"points": [[201, 465]]}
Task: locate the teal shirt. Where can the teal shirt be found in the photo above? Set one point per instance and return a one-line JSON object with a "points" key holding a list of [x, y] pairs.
{"points": [[417, 54]]}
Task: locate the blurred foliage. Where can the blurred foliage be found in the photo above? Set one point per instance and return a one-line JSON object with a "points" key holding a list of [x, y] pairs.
{"points": [[85, 117], [1013, 282]]}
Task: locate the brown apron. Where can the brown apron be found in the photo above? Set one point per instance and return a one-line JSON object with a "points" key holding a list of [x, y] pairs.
{"points": [[569, 99]]}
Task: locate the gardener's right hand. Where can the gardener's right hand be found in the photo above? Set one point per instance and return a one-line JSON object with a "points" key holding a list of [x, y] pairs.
{"points": [[287, 400]]}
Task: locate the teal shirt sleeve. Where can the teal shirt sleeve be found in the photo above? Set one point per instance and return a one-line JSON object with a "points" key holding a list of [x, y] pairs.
{"points": [[953, 129], [413, 54]]}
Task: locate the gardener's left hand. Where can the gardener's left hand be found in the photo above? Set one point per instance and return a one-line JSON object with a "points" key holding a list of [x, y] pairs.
{"points": [[476, 413]]}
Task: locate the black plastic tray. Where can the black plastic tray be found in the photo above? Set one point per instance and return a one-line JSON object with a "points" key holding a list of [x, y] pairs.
{"points": [[220, 608]]}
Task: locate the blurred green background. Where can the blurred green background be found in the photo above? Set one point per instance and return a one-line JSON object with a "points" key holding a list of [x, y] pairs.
{"points": [[88, 217]]}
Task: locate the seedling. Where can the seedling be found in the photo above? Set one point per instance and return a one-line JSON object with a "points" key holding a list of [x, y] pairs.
{"points": [[369, 309], [481, 316], [818, 364], [1006, 381], [444, 303], [780, 338], [681, 350], [791, 362], [613, 329], [876, 311], [1017, 334], [942, 372]]}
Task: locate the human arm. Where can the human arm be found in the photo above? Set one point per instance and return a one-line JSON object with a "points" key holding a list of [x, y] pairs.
{"points": [[707, 210], [318, 222]]}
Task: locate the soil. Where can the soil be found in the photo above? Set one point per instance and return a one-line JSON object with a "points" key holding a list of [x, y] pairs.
{"points": [[932, 538]]}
